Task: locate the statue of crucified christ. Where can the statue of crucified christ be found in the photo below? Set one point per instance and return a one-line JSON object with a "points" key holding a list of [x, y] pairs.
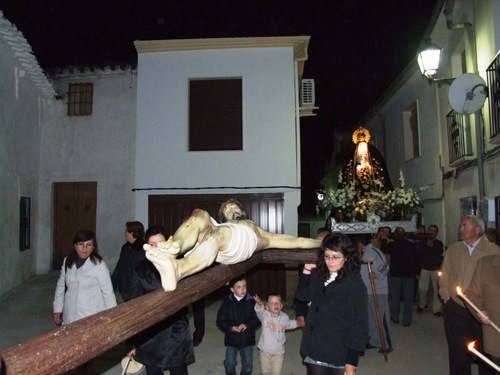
{"points": [[202, 241]]}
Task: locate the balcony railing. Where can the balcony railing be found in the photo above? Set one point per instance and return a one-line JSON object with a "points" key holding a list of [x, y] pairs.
{"points": [[493, 76], [459, 137]]}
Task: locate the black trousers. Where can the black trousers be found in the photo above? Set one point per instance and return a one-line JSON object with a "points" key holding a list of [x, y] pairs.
{"points": [[461, 328], [199, 319]]}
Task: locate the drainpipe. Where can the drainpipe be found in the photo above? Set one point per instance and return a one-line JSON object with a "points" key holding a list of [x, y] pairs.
{"points": [[448, 13], [297, 132], [478, 119]]}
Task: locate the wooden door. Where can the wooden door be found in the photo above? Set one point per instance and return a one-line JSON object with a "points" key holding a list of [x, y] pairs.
{"points": [[266, 210], [74, 209]]}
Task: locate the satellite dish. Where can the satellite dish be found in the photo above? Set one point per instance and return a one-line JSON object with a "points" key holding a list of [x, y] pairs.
{"points": [[467, 93]]}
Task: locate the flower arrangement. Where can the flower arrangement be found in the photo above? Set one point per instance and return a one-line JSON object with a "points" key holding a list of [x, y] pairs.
{"points": [[355, 202], [340, 200], [403, 199], [372, 202]]}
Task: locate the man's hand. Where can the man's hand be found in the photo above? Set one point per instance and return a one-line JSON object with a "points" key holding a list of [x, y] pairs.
{"points": [[368, 260], [484, 318]]}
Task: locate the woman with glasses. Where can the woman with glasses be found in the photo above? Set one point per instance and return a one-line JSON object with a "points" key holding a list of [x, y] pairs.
{"points": [[336, 329], [84, 287]]}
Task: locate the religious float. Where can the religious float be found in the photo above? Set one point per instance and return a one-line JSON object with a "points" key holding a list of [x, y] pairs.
{"points": [[364, 198]]}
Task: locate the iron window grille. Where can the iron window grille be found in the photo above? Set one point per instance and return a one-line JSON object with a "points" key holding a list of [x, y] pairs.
{"points": [[80, 99]]}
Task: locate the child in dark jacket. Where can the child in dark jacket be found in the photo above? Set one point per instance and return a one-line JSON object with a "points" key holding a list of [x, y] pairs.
{"points": [[237, 319]]}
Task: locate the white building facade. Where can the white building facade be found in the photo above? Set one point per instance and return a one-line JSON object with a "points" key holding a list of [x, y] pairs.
{"points": [[136, 137], [419, 132]]}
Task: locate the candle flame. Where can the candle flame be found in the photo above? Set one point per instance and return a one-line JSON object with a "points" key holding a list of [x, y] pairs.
{"points": [[471, 345], [439, 274], [459, 291]]}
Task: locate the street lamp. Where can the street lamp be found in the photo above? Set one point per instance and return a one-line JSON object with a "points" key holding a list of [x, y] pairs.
{"points": [[428, 59]]}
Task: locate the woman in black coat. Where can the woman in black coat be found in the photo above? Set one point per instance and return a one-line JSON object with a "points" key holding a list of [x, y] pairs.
{"points": [[167, 345], [336, 329], [130, 256]]}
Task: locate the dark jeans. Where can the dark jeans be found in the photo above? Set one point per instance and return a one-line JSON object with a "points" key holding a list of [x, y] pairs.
{"points": [[232, 360], [402, 287], [461, 328]]}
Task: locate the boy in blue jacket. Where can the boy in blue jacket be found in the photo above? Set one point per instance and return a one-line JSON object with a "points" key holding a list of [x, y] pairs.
{"points": [[237, 319]]}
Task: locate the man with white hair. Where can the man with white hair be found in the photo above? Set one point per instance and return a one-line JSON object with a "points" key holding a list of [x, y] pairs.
{"points": [[459, 264]]}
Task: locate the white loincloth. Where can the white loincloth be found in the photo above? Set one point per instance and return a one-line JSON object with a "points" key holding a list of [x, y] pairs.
{"points": [[242, 246]]}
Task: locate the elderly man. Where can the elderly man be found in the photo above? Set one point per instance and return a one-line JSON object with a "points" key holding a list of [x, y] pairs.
{"points": [[459, 265], [483, 292], [380, 271], [202, 240]]}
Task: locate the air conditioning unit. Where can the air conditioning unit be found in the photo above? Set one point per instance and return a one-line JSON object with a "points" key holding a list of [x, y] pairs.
{"points": [[307, 97]]}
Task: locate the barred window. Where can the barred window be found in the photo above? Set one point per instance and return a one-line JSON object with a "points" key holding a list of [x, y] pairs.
{"points": [[80, 98]]}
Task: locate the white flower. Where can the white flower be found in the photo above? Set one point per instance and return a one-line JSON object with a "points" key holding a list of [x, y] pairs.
{"points": [[401, 179]]}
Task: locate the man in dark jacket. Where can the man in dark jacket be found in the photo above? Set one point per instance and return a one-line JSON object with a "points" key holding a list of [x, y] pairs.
{"points": [[430, 251], [238, 320], [403, 272]]}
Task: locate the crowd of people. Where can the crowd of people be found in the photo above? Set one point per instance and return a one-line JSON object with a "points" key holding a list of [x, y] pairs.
{"points": [[344, 301]]}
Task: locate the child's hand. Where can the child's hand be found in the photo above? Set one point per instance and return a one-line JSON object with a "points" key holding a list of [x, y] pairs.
{"points": [[301, 322], [239, 328], [257, 299]]}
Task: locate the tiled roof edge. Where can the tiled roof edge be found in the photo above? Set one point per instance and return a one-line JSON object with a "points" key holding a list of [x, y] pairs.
{"points": [[24, 54], [92, 71]]}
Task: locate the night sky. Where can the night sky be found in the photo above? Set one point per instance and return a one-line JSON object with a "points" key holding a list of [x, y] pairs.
{"points": [[357, 47]]}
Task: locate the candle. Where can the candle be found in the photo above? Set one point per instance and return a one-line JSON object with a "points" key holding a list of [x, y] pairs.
{"points": [[480, 355], [439, 274], [460, 293]]}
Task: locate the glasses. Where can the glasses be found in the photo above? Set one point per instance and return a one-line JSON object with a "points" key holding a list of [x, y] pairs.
{"points": [[85, 244], [333, 258]]}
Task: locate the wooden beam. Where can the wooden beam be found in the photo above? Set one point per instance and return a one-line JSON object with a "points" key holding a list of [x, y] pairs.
{"points": [[65, 348], [290, 256]]}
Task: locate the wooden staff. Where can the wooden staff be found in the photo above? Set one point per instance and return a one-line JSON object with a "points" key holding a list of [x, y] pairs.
{"points": [[377, 311]]}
